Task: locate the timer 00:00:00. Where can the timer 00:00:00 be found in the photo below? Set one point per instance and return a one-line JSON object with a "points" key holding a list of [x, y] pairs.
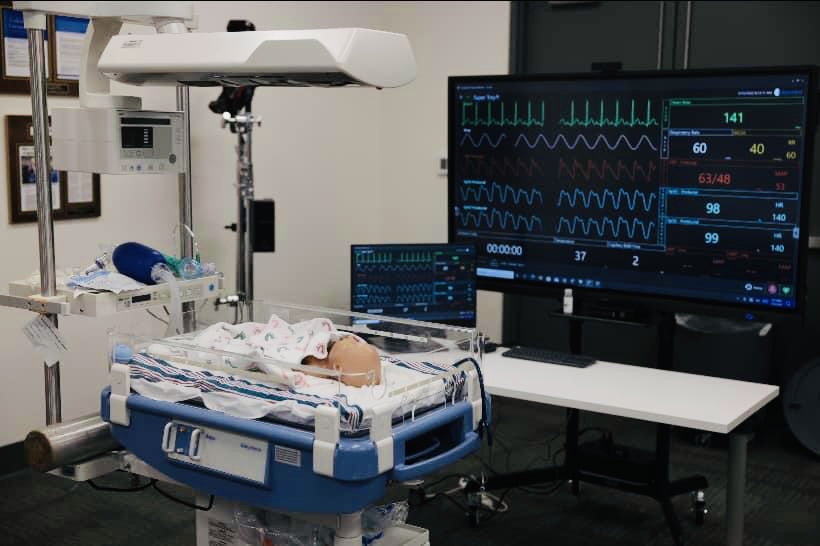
{"points": [[506, 250]]}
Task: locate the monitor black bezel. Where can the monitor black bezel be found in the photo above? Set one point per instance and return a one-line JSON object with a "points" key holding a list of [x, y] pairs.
{"points": [[466, 323], [661, 302]]}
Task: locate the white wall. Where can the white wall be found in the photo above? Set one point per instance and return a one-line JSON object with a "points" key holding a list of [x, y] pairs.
{"points": [[449, 39], [345, 166]]}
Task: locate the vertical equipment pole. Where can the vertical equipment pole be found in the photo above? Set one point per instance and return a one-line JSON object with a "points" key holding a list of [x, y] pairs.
{"points": [[186, 213], [249, 224], [240, 218], [35, 28], [244, 271]]}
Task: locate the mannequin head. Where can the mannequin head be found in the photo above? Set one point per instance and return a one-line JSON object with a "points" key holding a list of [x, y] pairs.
{"points": [[358, 362]]}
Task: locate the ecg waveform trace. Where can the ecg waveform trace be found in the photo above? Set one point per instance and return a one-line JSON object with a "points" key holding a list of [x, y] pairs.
{"points": [[477, 218], [605, 226], [387, 257], [504, 193], [602, 120], [605, 169], [622, 139], [478, 165], [483, 116], [607, 198]]}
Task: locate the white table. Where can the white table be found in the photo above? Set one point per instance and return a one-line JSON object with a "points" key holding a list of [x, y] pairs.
{"points": [[673, 398]]}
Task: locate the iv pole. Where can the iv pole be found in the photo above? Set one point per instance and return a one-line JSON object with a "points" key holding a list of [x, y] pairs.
{"points": [[230, 103], [186, 214], [243, 125], [35, 24]]}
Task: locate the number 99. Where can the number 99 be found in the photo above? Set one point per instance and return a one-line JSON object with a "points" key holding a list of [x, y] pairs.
{"points": [[711, 237]]}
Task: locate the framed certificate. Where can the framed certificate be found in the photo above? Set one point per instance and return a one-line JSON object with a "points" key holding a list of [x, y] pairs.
{"points": [[64, 44], [73, 195]]}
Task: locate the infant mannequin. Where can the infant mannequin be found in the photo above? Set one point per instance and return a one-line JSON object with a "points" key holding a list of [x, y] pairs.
{"points": [[358, 362]]}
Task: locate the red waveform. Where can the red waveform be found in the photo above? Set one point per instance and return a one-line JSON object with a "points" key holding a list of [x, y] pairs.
{"points": [[605, 169], [477, 165]]}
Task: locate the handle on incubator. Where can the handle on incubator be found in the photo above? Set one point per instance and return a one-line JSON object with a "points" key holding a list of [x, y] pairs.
{"points": [[193, 445], [405, 472], [166, 437]]}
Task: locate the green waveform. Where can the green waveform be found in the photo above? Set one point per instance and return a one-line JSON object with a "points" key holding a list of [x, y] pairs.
{"points": [[602, 119], [477, 115], [375, 258], [415, 257]]}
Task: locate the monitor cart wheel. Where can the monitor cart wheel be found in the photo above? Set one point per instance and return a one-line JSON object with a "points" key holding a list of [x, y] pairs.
{"points": [[699, 506]]}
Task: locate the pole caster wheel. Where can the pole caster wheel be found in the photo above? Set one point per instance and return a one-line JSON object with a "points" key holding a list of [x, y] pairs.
{"points": [[699, 507]]}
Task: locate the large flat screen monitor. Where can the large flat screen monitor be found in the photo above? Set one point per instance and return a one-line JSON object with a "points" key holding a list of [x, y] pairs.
{"points": [[681, 185], [427, 282]]}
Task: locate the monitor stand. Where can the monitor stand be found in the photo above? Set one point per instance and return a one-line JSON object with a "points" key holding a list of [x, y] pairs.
{"points": [[605, 463]]}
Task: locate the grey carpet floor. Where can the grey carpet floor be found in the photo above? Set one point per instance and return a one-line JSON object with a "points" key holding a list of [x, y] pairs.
{"points": [[782, 499]]}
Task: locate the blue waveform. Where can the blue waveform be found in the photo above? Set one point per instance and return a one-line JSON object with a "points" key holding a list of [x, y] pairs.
{"points": [[373, 289], [607, 198], [606, 226], [377, 300], [503, 193], [560, 138], [418, 287], [481, 139], [505, 218], [394, 268], [416, 298]]}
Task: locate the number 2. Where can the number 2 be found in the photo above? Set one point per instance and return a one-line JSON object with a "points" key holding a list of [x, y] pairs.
{"points": [[636, 261]]}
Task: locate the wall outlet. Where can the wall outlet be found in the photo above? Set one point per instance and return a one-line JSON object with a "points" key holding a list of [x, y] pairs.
{"points": [[442, 166]]}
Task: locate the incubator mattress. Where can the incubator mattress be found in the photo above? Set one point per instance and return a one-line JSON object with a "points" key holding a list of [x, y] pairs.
{"points": [[166, 380]]}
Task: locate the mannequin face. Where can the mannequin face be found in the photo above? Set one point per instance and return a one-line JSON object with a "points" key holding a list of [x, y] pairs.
{"points": [[358, 362]]}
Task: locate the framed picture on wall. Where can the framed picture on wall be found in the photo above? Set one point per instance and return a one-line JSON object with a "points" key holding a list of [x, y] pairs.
{"points": [[73, 195], [64, 45]]}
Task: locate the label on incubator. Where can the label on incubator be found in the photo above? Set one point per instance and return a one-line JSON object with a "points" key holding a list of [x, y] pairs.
{"points": [[287, 455], [46, 339]]}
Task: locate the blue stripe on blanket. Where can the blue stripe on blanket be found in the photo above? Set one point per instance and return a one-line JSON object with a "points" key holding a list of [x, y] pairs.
{"points": [[453, 384], [155, 370]]}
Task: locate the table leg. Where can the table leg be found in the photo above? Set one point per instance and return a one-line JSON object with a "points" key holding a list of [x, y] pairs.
{"points": [[736, 488]]}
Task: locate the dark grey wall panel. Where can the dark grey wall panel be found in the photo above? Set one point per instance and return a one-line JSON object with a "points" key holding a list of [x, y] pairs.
{"points": [[754, 34], [569, 37]]}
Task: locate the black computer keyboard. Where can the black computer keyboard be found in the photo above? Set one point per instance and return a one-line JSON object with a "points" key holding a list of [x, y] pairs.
{"points": [[551, 357]]}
